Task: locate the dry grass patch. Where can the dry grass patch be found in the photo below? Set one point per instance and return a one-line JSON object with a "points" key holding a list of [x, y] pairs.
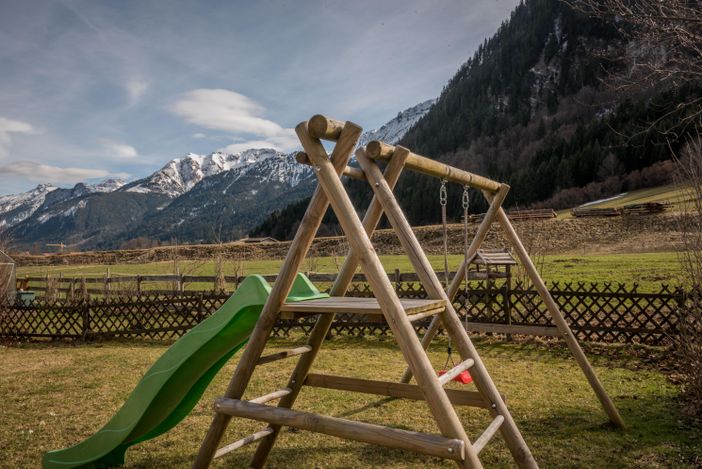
{"points": [[53, 396]]}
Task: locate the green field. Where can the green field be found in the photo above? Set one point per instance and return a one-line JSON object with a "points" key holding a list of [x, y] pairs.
{"points": [[54, 396], [649, 270]]}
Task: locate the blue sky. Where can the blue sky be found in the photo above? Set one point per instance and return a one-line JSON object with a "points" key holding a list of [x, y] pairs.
{"points": [[98, 89]]}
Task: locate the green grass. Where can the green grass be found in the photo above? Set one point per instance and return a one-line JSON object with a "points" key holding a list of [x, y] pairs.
{"points": [[54, 396], [649, 270]]}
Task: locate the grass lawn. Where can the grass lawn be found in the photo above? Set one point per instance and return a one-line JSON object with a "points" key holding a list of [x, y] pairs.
{"points": [[649, 270], [54, 396]]}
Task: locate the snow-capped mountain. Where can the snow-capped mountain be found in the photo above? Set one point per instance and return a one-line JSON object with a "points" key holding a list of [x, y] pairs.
{"points": [[187, 199], [230, 203], [17, 207], [108, 185], [392, 131], [181, 174]]}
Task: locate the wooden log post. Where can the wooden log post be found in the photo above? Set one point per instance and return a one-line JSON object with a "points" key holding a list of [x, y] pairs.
{"points": [[515, 442], [558, 319], [298, 248], [324, 322], [437, 400], [382, 151]]}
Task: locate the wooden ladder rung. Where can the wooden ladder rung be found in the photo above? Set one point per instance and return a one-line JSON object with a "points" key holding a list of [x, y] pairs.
{"points": [[455, 371], [284, 354], [489, 432], [243, 442], [392, 389], [424, 314], [432, 445], [272, 396]]}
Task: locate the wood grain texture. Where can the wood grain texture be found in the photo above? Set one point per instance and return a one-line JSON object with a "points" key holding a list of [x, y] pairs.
{"points": [[561, 324], [441, 408], [391, 389], [382, 151], [243, 442], [292, 263], [325, 128], [354, 305], [323, 324], [349, 171], [284, 354], [432, 285], [432, 445]]}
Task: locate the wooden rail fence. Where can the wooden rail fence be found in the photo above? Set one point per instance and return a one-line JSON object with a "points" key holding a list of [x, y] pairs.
{"points": [[601, 312]]}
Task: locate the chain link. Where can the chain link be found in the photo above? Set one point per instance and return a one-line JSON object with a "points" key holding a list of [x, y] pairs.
{"points": [[466, 198], [443, 194]]}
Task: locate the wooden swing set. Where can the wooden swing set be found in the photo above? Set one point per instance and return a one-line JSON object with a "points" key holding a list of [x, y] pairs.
{"points": [[453, 442]]}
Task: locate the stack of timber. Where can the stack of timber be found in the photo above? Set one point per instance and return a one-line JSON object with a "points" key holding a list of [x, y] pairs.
{"points": [[646, 208], [595, 212], [536, 214]]}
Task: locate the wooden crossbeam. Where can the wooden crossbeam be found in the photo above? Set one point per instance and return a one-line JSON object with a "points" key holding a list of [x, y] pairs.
{"points": [[391, 389], [432, 445]]}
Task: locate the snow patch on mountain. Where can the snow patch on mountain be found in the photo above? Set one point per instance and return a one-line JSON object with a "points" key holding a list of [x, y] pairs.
{"points": [[17, 207], [395, 129], [182, 174]]}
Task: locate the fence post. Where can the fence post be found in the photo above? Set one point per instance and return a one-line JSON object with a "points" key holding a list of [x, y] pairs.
{"points": [[86, 318], [138, 285], [398, 281], [506, 304]]}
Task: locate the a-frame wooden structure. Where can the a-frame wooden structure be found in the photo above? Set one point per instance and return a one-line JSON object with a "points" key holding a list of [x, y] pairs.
{"points": [[453, 443]]}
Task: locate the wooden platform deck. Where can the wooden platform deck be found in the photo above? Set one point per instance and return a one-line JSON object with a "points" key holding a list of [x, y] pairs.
{"points": [[351, 305]]}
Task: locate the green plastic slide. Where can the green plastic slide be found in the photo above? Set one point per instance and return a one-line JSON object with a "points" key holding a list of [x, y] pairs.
{"points": [[175, 383]]}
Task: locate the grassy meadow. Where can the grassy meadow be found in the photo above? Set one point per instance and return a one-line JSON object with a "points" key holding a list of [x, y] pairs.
{"points": [[648, 270], [53, 396]]}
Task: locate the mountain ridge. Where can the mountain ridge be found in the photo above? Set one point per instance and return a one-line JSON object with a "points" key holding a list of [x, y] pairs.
{"points": [[193, 198]]}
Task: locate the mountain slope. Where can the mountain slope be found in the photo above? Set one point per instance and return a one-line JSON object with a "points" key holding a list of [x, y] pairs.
{"points": [[180, 175], [225, 206], [532, 108], [85, 221], [196, 198]]}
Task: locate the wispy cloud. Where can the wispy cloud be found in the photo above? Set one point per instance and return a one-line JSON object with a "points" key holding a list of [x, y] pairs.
{"points": [[38, 172], [246, 145], [120, 150], [235, 113], [136, 88], [9, 127]]}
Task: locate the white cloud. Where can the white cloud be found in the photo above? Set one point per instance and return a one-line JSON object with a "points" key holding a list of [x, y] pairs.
{"points": [[136, 88], [117, 149], [199, 135], [7, 128], [233, 112], [38, 172], [241, 146]]}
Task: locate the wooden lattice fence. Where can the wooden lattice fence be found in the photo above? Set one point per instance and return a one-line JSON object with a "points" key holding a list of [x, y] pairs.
{"points": [[596, 312]]}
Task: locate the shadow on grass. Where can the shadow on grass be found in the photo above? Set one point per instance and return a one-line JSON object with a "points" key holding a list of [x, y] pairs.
{"points": [[565, 437], [655, 435]]}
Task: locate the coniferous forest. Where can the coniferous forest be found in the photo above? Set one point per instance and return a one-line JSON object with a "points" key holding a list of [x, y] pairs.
{"points": [[535, 107]]}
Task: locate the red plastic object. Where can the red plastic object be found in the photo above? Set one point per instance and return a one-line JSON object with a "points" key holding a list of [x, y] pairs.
{"points": [[464, 377]]}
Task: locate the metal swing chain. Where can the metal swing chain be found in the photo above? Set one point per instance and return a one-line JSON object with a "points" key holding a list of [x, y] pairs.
{"points": [[466, 206], [443, 199]]}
